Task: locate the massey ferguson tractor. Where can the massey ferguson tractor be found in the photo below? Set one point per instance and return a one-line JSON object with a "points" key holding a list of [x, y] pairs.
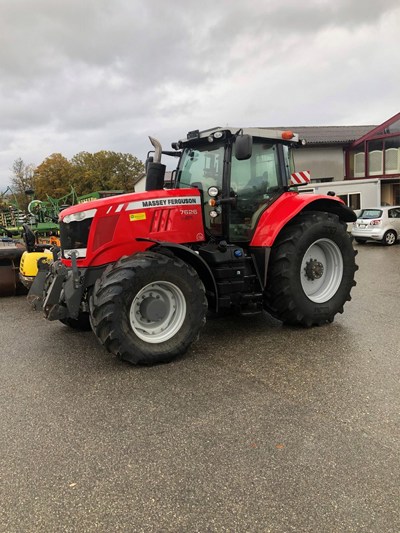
{"points": [[233, 233]]}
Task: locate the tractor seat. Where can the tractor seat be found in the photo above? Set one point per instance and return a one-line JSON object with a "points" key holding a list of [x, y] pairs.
{"points": [[30, 241]]}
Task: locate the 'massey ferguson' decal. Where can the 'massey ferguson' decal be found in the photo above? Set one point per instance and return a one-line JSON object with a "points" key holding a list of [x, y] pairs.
{"points": [[164, 202]]}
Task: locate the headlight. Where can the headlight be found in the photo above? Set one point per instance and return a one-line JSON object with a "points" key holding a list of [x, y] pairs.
{"points": [[80, 215]]}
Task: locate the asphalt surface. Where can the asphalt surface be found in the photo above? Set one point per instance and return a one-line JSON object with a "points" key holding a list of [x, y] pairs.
{"points": [[259, 428]]}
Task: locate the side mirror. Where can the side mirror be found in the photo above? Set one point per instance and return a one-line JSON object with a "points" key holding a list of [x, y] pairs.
{"points": [[243, 147]]}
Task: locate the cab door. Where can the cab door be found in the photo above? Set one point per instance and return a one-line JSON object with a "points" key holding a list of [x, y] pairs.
{"points": [[254, 183]]}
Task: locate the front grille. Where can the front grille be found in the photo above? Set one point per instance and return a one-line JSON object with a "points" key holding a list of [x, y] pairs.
{"points": [[75, 234], [162, 221]]}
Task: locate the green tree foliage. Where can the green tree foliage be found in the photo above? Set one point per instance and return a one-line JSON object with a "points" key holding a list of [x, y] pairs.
{"points": [[53, 177], [86, 173], [105, 170]]}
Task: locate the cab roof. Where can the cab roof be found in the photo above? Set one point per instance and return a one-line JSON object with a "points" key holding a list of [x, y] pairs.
{"points": [[263, 133]]}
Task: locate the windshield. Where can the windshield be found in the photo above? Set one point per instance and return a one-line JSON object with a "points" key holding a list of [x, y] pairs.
{"points": [[201, 167], [370, 213]]}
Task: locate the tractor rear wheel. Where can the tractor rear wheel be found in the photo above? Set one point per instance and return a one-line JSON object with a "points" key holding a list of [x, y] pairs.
{"points": [[311, 270], [148, 308]]}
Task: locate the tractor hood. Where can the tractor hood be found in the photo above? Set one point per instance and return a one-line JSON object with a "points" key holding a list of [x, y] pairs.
{"points": [[102, 231]]}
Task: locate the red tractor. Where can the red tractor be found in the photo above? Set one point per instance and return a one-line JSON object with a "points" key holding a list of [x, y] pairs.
{"points": [[142, 269]]}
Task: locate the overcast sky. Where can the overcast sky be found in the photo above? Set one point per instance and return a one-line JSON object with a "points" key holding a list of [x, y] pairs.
{"points": [[90, 75]]}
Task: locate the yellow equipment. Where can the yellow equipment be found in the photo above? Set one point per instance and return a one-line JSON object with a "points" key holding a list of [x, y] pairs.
{"points": [[28, 267]]}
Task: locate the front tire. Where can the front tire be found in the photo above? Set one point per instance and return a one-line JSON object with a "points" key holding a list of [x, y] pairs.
{"points": [[148, 308], [311, 270]]}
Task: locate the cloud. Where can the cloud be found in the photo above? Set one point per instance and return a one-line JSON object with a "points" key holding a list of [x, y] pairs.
{"points": [[104, 75]]}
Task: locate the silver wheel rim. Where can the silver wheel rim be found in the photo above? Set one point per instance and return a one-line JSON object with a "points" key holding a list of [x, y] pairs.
{"points": [[157, 312], [390, 238], [321, 270]]}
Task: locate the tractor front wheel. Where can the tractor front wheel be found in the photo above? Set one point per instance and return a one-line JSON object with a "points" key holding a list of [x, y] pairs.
{"points": [[148, 308], [311, 270]]}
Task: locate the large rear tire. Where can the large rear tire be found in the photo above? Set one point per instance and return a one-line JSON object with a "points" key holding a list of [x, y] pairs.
{"points": [[148, 308], [311, 270]]}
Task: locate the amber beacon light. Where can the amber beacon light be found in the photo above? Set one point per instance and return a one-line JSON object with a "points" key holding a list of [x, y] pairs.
{"points": [[287, 135]]}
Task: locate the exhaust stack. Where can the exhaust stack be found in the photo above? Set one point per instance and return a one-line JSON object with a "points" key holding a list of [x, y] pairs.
{"points": [[155, 170]]}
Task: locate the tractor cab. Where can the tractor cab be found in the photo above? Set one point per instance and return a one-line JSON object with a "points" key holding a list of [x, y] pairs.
{"points": [[239, 173]]}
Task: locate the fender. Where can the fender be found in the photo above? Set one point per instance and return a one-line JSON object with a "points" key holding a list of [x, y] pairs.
{"points": [[194, 260], [287, 206]]}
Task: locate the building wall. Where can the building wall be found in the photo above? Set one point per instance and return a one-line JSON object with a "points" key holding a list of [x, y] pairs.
{"points": [[140, 186], [323, 162]]}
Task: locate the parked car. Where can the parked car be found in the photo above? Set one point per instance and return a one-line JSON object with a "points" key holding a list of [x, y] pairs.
{"points": [[378, 224]]}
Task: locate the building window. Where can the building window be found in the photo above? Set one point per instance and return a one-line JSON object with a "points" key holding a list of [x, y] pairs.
{"points": [[358, 159], [352, 200], [393, 128], [375, 158], [383, 158], [392, 155]]}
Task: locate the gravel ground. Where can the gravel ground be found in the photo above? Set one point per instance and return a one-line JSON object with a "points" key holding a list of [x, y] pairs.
{"points": [[259, 428]]}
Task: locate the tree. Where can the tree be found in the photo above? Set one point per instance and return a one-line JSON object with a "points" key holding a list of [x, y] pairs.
{"points": [[105, 170], [53, 177], [22, 180], [86, 173]]}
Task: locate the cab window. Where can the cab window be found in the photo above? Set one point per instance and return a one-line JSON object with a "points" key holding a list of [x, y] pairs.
{"points": [[203, 168]]}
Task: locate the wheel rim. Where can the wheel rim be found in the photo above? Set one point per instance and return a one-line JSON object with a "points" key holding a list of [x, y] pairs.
{"points": [[157, 312], [321, 270], [390, 238]]}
